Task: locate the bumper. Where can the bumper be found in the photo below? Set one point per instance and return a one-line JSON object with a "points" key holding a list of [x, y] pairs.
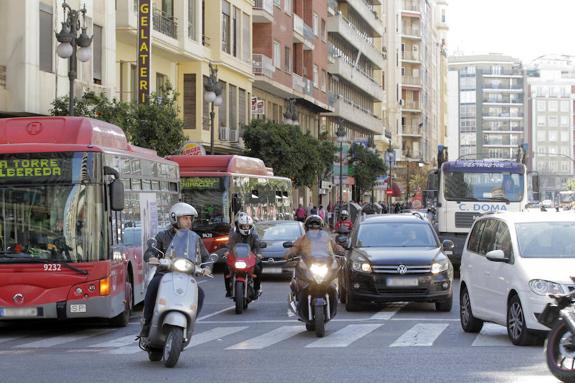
{"points": [[533, 305], [376, 288]]}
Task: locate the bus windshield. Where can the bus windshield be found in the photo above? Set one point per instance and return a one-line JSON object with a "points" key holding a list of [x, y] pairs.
{"points": [[48, 210], [485, 186], [206, 195]]}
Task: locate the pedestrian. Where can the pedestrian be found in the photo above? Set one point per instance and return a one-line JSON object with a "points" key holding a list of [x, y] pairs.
{"points": [[321, 212], [313, 210], [300, 214]]}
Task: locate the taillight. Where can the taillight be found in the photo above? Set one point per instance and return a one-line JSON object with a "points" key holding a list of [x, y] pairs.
{"points": [[105, 286]]}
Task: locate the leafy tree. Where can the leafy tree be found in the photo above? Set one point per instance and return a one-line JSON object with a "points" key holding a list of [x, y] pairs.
{"points": [[571, 184], [367, 166], [291, 153]]}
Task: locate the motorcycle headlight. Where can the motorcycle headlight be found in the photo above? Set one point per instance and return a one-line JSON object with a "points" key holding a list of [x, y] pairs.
{"points": [[543, 287], [318, 271], [438, 267], [240, 265], [183, 265]]}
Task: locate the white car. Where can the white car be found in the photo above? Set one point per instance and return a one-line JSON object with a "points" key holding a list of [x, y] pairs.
{"points": [[509, 264]]}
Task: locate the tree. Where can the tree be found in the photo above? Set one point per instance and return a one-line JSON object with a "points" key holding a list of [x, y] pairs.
{"points": [[154, 125], [291, 153], [571, 184], [367, 166]]}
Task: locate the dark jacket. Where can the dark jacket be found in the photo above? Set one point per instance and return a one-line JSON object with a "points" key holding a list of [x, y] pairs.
{"points": [[236, 237], [164, 238]]}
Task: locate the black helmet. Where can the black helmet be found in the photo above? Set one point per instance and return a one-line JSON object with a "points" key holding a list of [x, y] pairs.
{"points": [[313, 221]]}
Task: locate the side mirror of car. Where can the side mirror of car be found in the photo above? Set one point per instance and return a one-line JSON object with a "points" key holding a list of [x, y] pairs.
{"points": [[497, 256], [287, 245], [262, 245], [448, 245]]}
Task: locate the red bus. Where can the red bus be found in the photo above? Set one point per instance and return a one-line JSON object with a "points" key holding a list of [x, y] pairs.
{"points": [[221, 186], [77, 202]]}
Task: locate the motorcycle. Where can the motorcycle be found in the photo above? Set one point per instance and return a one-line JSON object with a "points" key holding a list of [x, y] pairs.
{"points": [[315, 283], [176, 305], [342, 236], [560, 343], [241, 261]]}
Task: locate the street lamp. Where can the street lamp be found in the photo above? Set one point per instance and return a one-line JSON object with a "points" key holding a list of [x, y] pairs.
{"points": [[390, 158], [69, 43], [213, 95], [290, 115], [371, 148], [340, 133]]}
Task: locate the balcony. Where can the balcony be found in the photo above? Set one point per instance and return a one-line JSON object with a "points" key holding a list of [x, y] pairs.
{"points": [[262, 65], [500, 116], [165, 24], [411, 57], [339, 24], [366, 11], [302, 85], [411, 6], [298, 29], [411, 81], [309, 37], [356, 115], [411, 106], [332, 7], [344, 69], [263, 11], [413, 131], [411, 33]]}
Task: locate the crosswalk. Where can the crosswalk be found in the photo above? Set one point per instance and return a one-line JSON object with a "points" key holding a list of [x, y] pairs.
{"points": [[392, 334]]}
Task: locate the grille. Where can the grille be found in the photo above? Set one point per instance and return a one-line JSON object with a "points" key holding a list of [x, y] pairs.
{"points": [[464, 220], [392, 269]]}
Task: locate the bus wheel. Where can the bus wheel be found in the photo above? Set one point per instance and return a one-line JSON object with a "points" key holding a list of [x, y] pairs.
{"points": [[123, 319]]}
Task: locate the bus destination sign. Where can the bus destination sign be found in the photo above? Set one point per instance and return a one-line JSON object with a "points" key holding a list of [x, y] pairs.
{"points": [[35, 168], [202, 183]]}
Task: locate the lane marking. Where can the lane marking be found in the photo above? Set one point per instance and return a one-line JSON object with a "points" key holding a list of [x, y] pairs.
{"points": [[345, 336], [213, 334], [420, 335], [387, 312], [58, 340], [215, 313], [119, 342], [492, 335], [268, 339]]}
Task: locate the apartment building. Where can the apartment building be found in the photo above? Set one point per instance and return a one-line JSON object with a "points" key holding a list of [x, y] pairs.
{"points": [[487, 106], [550, 98], [31, 73]]}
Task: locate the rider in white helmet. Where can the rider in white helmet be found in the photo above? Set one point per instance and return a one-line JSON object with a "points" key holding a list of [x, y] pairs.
{"points": [[181, 218], [244, 233]]}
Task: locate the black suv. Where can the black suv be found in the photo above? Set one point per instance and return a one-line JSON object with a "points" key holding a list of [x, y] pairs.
{"points": [[396, 258]]}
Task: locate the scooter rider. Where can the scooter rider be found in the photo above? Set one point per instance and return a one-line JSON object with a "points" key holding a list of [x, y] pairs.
{"points": [[344, 220], [244, 233], [181, 218]]}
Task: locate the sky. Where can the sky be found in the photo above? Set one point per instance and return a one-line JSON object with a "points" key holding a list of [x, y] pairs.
{"points": [[525, 29]]}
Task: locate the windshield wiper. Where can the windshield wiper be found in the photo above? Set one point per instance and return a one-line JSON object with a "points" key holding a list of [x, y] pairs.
{"points": [[14, 256], [500, 199]]}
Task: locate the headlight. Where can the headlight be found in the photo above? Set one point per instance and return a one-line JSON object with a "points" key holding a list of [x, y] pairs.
{"points": [[438, 267], [183, 265], [240, 265], [318, 271], [543, 287], [361, 266]]}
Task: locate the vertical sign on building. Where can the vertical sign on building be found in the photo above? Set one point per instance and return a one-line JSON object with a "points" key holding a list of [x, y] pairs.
{"points": [[144, 49]]}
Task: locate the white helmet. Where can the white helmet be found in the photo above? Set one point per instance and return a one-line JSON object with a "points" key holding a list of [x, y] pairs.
{"points": [[344, 214], [245, 224], [181, 209]]}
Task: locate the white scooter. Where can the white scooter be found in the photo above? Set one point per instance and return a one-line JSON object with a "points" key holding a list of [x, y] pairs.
{"points": [[177, 301]]}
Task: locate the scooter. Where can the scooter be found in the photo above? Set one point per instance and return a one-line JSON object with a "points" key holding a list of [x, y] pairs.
{"points": [[342, 236], [560, 343], [313, 295], [177, 302], [241, 261]]}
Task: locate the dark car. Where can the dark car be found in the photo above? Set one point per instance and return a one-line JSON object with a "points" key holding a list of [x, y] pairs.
{"points": [[274, 234], [396, 258]]}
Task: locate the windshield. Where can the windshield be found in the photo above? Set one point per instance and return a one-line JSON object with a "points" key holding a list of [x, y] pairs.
{"points": [[483, 186], [396, 234], [185, 245], [546, 239], [206, 195], [288, 231], [242, 250]]}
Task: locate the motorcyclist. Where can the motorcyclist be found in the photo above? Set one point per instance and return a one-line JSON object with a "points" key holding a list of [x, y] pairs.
{"points": [[344, 220], [244, 233], [181, 218]]}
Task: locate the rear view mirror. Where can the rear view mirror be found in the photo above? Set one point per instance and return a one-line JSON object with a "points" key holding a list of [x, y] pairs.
{"points": [[214, 257], [117, 195], [287, 244], [448, 245], [497, 256]]}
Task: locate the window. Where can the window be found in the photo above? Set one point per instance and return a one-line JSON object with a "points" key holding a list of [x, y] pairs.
{"points": [[277, 55], [541, 135], [168, 8], [467, 97], [503, 240], [46, 53], [189, 101], [236, 32], [552, 121], [161, 82], [323, 80], [564, 121], [553, 135], [475, 236], [315, 25], [323, 30], [233, 118], [277, 3], [315, 76], [541, 106], [287, 59], [564, 106], [487, 241], [226, 26], [246, 38], [223, 109], [192, 22], [541, 121], [553, 107], [288, 6]]}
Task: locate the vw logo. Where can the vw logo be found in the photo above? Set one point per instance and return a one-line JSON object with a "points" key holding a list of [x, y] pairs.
{"points": [[18, 298], [402, 269]]}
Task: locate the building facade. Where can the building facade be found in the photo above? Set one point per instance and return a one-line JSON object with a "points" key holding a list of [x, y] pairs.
{"points": [[488, 107], [551, 97]]}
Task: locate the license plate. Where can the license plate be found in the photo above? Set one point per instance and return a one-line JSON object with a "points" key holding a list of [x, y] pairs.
{"points": [[272, 270], [10, 312], [402, 282]]}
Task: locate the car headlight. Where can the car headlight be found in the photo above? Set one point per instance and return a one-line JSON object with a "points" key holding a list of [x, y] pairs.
{"points": [[240, 265], [438, 267], [318, 271], [360, 264], [543, 287], [183, 265]]}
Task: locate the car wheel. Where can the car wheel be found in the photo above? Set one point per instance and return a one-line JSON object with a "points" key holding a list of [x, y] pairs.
{"points": [[342, 294], [444, 306], [350, 305], [468, 322], [516, 325]]}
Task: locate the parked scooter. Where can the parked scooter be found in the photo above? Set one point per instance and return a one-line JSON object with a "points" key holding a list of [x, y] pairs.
{"points": [[560, 343], [177, 302], [241, 261], [315, 283]]}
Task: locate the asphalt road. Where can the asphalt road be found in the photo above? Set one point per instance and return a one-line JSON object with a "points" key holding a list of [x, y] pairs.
{"points": [[393, 343]]}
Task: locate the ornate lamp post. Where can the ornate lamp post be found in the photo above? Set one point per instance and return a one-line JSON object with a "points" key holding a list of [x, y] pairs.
{"points": [[213, 95], [340, 133], [290, 115], [69, 43]]}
